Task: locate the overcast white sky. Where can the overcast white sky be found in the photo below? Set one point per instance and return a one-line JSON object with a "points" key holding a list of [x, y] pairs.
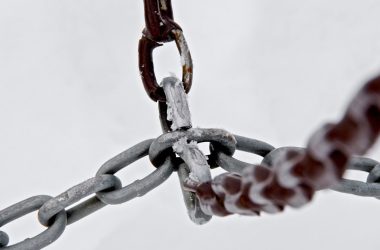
{"points": [[71, 98]]}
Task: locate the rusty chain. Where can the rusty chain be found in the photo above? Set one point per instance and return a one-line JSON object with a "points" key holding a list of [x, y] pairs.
{"points": [[287, 176]]}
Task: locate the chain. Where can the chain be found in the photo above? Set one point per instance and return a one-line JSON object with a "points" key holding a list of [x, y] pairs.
{"points": [[292, 177], [287, 176], [161, 28]]}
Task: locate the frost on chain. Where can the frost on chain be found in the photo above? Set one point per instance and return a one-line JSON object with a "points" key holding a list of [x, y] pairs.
{"points": [[194, 158], [178, 111]]}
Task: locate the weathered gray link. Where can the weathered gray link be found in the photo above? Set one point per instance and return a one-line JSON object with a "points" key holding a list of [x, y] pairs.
{"points": [[219, 137], [233, 165], [368, 189], [24, 207], [253, 146], [192, 203], [139, 187], [194, 159], [195, 166], [178, 111], [75, 194]]}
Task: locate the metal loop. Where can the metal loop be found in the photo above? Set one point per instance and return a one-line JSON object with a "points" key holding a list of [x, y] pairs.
{"points": [[139, 187], [249, 145], [24, 207], [191, 201], [160, 147], [75, 194], [146, 47]]}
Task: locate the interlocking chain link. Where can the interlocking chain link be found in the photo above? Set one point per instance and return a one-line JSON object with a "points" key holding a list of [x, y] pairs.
{"points": [[287, 176], [161, 28]]}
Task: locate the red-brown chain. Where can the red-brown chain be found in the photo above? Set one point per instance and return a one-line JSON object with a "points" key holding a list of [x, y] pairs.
{"points": [[294, 176], [161, 28]]}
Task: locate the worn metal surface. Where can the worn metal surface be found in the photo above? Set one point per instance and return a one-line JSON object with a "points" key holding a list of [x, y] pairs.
{"points": [[220, 137], [191, 201], [178, 111], [139, 187], [24, 207], [161, 28], [74, 194], [194, 159], [195, 166], [146, 47]]}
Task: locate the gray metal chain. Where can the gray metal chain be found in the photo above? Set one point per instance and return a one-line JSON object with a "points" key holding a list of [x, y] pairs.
{"points": [[178, 138], [175, 150]]}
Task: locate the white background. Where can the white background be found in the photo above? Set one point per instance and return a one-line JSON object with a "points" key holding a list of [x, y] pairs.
{"points": [[71, 98]]}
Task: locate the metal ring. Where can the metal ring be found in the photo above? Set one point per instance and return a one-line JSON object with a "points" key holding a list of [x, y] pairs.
{"points": [[194, 210], [146, 47], [159, 148], [74, 194], [233, 165], [27, 206], [139, 187]]}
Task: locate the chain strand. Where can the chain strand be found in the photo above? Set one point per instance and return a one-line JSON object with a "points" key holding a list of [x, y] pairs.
{"points": [[295, 175], [286, 176]]}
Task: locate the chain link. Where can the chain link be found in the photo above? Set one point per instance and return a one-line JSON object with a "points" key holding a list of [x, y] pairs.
{"points": [[54, 230], [161, 28]]}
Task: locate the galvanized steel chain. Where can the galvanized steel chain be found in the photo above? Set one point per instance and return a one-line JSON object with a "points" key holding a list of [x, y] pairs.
{"points": [[287, 176]]}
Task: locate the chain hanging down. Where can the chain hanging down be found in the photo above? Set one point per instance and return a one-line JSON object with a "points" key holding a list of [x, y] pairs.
{"points": [[287, 176]]}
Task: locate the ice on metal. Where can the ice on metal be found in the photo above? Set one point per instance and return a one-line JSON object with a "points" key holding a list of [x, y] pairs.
{"points": [[178, 109], [195, 160]]}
